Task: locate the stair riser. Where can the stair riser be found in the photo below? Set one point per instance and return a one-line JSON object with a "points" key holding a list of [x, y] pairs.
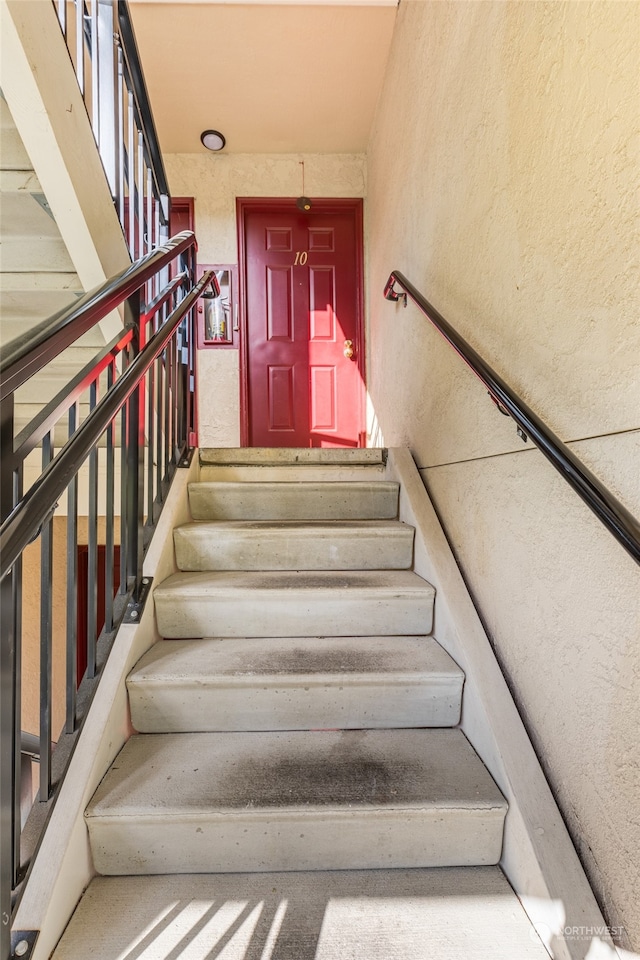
{"points": [[357, 840], [291, 614], [307, 473], [187, 707], [290, 549], [294, 501]]}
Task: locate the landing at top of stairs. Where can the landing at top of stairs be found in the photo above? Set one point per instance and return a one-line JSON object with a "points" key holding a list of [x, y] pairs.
{"points": [[264, 456]]}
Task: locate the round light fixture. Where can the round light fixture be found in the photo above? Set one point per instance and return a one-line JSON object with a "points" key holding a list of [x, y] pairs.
{"points": [[212, 140]]}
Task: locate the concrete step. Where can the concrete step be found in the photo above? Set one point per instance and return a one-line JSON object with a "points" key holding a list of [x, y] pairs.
{"points": [[289, 456], [357, 799], [308, 465], [357, 500], [294, 604], [464, 913], [296, 683], [294, 545]]}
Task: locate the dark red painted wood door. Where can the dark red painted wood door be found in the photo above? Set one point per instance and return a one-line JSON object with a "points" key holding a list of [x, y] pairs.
{"points": [[302, 306]]}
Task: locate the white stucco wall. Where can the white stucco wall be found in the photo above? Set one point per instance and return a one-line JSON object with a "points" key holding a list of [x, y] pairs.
{"points": [[215, 181], [502, 177]]}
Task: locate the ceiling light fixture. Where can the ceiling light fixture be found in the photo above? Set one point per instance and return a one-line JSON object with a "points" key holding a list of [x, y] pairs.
{"points": [[212, 140]]}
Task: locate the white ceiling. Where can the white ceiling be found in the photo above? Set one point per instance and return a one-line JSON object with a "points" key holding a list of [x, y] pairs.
{"points": [[292, 77]]}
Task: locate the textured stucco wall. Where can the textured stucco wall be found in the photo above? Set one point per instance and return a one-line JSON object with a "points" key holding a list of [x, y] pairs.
{"points": [[502, 180], [215, 181]]}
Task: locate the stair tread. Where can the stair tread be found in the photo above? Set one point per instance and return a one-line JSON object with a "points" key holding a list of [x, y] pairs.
{"points": [[297, 683], [293, 603], [288, 456], [264, 583], [308, 659], [269, 775], [461, 913]]}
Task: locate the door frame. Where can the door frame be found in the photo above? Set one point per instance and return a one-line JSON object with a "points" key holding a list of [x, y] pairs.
{"points": [[245, 205]]}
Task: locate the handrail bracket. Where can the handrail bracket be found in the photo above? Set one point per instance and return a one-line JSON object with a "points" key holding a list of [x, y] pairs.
{"points": [[392, 294]]}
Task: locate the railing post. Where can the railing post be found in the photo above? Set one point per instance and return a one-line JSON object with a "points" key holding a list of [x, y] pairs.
{"points": [[7, 694]]}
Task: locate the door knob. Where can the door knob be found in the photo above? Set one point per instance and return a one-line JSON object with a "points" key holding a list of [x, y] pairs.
{"points": [[348, 349]]}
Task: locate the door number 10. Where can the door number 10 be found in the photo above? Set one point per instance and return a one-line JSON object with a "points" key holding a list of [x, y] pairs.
{"points": [[301, 258]]}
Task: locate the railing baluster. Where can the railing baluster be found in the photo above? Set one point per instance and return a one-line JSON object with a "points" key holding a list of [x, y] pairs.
{"points": [[9, 718], [95, 73], [109, 512], [175, 374], [120, 98], [159, 422], [182, 381], [92, 541], [46, 637], [131, 176], [140, 183], [107, 90], [16, 586], [150, 444], [124, 486], [62, 15], [151, 287], [135, 454], [72, 590], [167, 411], [80, 44]]}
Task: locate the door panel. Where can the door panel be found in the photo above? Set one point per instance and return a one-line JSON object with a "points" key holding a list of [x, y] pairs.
{"points": [[323, 399], [302, 300], [281, 399], [279, 303]]}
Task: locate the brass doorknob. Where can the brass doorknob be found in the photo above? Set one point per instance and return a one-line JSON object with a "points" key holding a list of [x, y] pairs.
{"points": [[348, 349]]}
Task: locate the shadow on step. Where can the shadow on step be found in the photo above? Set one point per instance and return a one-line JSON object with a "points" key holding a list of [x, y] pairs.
{"points": [[451, 913]]}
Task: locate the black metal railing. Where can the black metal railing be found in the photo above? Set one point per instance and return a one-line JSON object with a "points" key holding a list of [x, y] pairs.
{"points": [[100, 456], [103, 50], [613, 514]]}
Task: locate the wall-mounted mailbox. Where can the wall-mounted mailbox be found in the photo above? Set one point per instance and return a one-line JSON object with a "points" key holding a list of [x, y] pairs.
{"points": [[218, 313]]}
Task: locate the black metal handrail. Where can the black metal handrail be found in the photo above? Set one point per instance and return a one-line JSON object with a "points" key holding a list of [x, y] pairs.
{"points": [[24, 356], [613, 514]]}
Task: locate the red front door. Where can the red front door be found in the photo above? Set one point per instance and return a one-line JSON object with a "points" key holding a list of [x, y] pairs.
{"points": [[304, 359]]}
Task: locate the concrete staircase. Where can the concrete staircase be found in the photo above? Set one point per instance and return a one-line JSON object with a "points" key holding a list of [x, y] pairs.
{"points": [[296, 720]]}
